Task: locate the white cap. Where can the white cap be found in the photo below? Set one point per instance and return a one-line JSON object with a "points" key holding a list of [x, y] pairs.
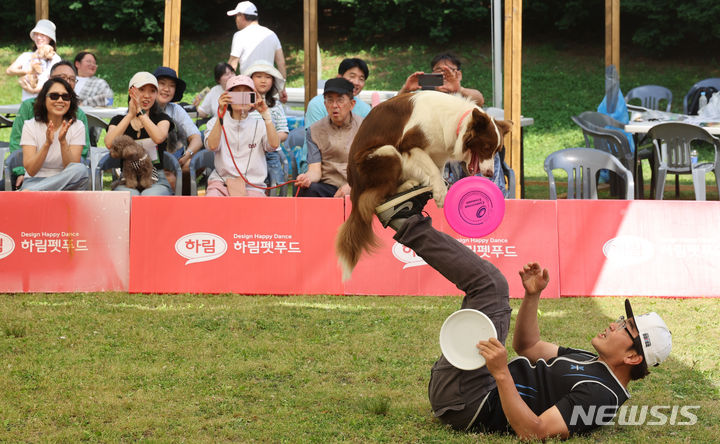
{"points": [[244, 8], [44, 27], [141, 79], [655, 336]]}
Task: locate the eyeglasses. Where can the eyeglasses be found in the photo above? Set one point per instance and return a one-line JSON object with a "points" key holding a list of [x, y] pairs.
{"points": [[340, 101], [622, 323], [68, 79], [56, 96], [439, 70]]}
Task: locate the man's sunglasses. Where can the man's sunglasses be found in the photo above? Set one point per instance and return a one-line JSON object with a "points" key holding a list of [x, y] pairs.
{"points": [[55, 96]]}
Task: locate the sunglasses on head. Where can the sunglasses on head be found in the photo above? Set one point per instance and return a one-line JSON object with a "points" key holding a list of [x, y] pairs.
{"points": [[55, 96]]}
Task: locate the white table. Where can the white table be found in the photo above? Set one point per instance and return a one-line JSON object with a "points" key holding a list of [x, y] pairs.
{"points": [[641, 122]]}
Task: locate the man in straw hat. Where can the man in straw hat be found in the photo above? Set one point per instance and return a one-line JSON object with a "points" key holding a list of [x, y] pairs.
{"points": [[548, 390]]}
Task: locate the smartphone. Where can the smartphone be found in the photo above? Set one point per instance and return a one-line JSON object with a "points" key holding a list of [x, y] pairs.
{"points": [[430, 81], [242, 97]]}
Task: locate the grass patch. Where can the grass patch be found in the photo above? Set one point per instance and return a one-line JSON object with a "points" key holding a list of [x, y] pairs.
{"points": [[213, 368]]}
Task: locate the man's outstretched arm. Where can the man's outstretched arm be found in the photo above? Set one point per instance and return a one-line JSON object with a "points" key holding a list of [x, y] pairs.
{"points": [[526, 340]]}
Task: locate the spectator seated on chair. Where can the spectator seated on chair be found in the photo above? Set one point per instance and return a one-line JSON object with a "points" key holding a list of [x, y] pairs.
{"points": [[208, 105], [63, 70], [184, 140], [268, 83], [53, 141], [353, 70], [328, 142], [91, 90], [240, 142], [147, 125]]}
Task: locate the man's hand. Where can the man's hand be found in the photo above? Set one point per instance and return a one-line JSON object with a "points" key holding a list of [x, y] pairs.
{"points": [[412, 83], [534, 278], [343, 191], [451, 81], [283, 96], [495, 355], [303, 181]]}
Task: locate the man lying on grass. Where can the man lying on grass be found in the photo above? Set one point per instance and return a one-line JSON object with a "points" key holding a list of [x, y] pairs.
{"points": [[548, 391]]}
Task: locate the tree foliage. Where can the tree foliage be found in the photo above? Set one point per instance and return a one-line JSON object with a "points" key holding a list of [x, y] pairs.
{"points": [[655, 26]]}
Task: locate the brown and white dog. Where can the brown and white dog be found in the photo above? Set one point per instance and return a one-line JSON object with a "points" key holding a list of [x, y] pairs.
{"points": [[404, 142]]}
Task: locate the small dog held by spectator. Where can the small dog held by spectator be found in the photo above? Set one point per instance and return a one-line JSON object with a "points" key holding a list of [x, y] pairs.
{"points": [[137, 169], [43, 54]]}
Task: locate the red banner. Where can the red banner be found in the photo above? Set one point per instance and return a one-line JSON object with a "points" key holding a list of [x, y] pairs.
{"points": [[64, 241], [250, 245], [639, 248], [528, 233]]}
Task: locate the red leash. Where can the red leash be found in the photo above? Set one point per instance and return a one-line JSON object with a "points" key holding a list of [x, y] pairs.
{"points": [[227, 144]]}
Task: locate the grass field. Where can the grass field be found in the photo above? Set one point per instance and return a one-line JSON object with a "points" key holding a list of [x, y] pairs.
{"points": [[559, 80], [184, 368]]}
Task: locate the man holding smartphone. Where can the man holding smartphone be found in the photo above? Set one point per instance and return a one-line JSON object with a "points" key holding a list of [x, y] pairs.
{"points": [[448, 66]]}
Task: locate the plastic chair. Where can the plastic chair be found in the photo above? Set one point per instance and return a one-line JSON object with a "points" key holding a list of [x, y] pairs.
{"points": [[13, 161], [673, 142], [202, 160], [582, 166], [650, 96], [613, 141], [110, 163], [713, 81], [96, 154], [4, 150], [96, 126]]}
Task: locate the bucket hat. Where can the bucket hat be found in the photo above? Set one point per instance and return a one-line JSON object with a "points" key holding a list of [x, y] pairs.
{"points": [[180, 85]]}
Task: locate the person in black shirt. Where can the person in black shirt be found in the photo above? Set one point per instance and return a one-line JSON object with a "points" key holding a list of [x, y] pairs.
{"points": [[547, 391], [148, 126]]}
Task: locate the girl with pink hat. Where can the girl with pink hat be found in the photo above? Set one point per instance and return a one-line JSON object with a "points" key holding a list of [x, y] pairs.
{"points": [[240, 143]]}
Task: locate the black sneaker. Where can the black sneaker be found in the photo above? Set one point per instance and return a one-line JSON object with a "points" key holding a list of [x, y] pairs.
{"points": [[403, 205]]}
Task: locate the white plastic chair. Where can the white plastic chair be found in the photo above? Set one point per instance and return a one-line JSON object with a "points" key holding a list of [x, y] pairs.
{"points": [[582, 166]]}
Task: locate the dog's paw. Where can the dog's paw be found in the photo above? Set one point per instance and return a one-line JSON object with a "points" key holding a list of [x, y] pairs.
{"points": [[407, 185], [439, 195]]}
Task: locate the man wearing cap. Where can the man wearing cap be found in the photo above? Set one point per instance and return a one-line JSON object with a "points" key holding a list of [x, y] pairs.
{"points": [[547, 390], [66, 71], [329, 141], [185, 140], [253, 42]]}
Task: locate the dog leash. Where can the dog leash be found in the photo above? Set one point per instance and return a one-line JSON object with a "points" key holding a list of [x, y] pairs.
{"points": [[227, 144]]}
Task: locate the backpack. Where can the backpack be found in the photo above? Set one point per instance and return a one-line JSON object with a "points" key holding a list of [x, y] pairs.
{"points": [[694, 98]]}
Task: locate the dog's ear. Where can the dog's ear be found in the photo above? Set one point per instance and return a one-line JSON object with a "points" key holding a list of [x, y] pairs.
{"points": [[504, 126]]}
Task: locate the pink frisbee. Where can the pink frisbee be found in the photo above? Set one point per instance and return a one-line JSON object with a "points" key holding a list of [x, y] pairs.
{"points": [[474, 206]]}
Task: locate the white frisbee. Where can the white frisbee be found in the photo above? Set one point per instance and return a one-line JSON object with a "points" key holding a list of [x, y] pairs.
{"points": [[460, 334]]}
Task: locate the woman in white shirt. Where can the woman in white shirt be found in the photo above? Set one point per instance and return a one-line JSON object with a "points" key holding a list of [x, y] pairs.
{"points": [[240, 149], [52, 143], [42, 34]]}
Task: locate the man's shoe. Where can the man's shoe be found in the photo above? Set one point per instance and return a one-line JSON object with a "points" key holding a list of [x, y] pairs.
{"points": [[403, 205]]}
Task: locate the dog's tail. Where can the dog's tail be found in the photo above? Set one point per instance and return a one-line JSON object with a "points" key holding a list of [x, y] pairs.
{"points": [[356, 233]]}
